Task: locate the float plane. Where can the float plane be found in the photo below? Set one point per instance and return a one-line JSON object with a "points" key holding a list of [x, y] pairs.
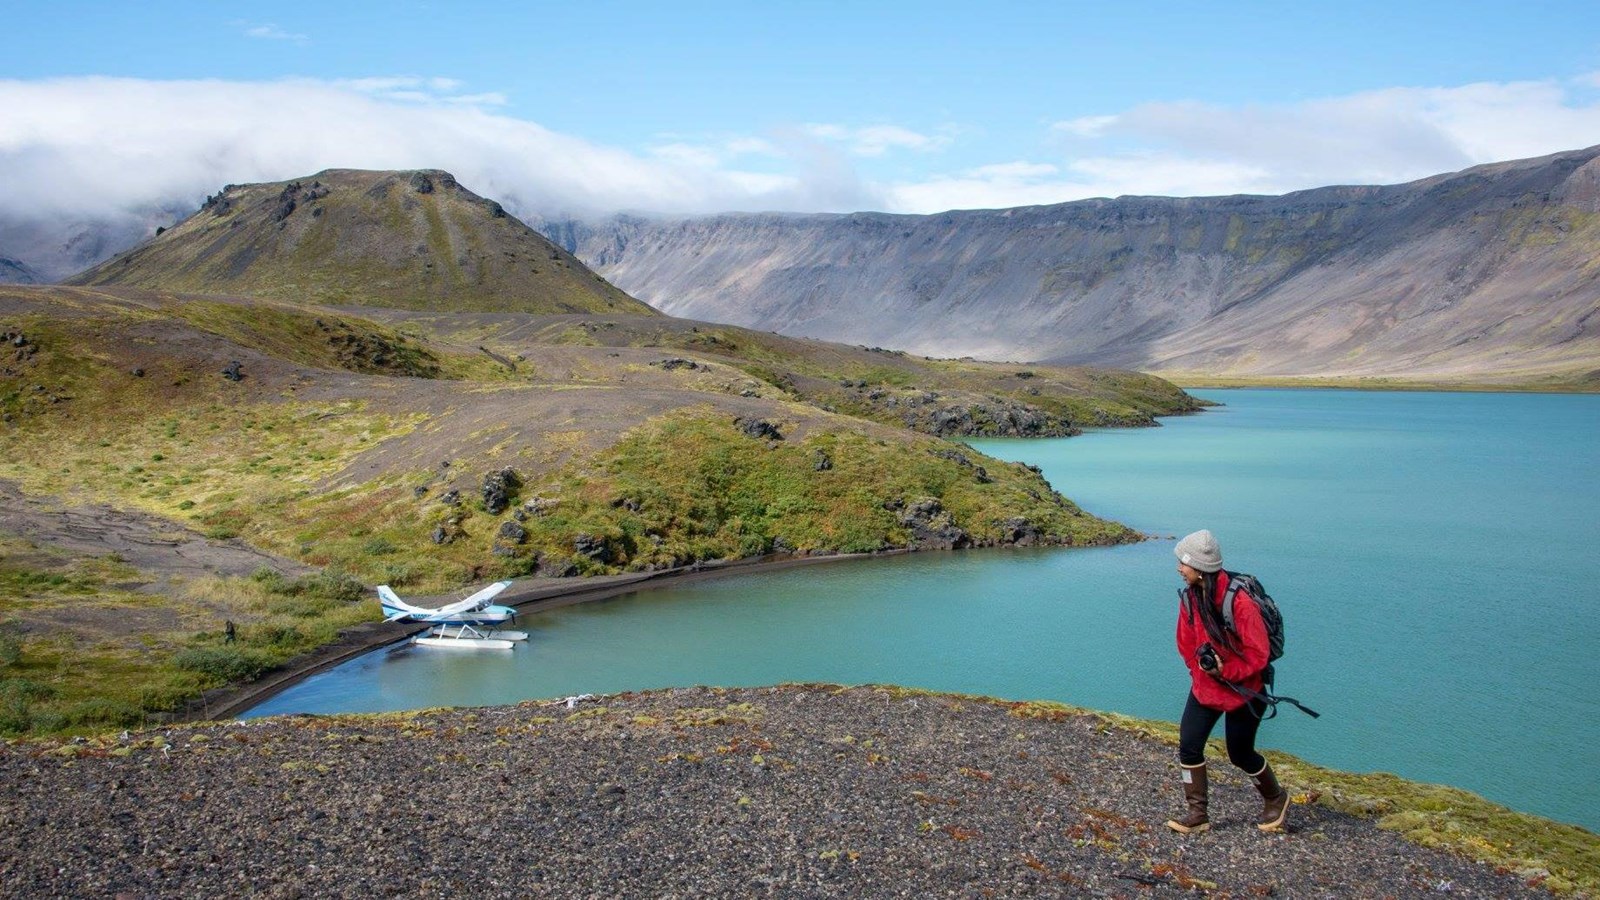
{"points": [[471, 624]]}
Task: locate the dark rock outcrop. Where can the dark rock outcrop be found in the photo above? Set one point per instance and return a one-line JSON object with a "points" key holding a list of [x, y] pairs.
{"points": [[591, 547], [931, 527], [759, 428], [499, 489]]}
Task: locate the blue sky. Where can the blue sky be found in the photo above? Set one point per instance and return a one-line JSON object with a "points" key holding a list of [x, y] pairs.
{"points": [[690, 107]]}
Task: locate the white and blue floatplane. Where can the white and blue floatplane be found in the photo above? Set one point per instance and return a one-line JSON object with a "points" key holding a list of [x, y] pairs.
{"points": [[470, 624]]}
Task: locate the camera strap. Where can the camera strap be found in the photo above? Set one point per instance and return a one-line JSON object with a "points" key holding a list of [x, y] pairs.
{"points": [[1270, 700]]}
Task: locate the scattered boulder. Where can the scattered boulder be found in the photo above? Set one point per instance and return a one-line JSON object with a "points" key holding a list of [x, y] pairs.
{"points": [[1020, 532], [232, 372], [498, 488], [931, 527], [821, 461], [513, 532], [759, 428], [564, 568], [591, 547], [451, 497], [677, 362], [138, 372]]}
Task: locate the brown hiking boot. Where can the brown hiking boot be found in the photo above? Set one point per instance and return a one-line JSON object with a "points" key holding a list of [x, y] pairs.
{"points": [[1194, 794], [1274, 800]]}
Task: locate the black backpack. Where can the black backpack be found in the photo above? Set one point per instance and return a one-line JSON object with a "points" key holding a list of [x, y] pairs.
{"points": [[1270, 616], [1273, 620]]}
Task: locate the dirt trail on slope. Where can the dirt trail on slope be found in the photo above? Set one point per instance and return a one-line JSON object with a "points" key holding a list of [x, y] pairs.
{"points": [[153, 545]]}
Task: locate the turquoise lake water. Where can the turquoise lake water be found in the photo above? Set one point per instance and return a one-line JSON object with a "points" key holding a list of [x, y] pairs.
{"points": [[1434, 555]]}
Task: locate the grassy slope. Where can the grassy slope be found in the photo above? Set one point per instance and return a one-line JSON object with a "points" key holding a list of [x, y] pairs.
{"points": [[262, 460], [882, 385]]}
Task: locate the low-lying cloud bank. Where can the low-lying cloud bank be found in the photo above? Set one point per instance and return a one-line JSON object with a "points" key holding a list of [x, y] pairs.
{"points": [[132, 153]]}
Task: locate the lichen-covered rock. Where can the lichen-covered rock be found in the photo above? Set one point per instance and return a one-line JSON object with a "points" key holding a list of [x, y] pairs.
{"points": [[1020, 532], [591, 547], [931, 526], [676, 363], [498, 488], [759, 428]]}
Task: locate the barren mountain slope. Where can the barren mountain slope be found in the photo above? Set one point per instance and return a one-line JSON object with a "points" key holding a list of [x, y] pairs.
{"points": [[1486, 273]]}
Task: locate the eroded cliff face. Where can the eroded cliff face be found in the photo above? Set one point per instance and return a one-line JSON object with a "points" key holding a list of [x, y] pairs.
{"points": [[1489, 272]]}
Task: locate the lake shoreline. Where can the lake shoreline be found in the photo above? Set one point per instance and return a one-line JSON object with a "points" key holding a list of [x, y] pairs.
{"points": [[1189, 381], [528, 596]]}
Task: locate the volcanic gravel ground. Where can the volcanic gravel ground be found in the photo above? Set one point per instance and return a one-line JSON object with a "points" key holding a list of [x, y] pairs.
{"points": [[793, 791]]}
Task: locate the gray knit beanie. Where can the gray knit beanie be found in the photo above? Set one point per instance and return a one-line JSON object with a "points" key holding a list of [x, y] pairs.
{"points": [[1200, 551]]}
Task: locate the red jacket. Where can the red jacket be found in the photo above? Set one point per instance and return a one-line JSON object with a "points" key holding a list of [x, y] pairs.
{"points": [[1241, 665]]}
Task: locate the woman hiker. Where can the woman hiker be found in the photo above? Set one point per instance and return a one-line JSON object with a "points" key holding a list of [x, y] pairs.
{"points": [[1217, 656]]}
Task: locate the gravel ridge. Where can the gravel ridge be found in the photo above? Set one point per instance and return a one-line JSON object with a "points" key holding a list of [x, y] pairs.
{"points": [[788, 791]]}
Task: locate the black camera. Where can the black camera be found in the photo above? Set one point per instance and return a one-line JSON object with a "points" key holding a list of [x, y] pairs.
{"points": [[1207, 655]]}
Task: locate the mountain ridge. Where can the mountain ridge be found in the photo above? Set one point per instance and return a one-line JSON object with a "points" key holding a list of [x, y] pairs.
{"points": [[1485, 272]]}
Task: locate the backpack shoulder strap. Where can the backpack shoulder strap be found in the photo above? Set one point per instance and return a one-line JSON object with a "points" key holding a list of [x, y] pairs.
{"points": [[1235, 585]]}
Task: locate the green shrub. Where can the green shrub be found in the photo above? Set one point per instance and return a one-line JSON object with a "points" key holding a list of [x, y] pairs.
{"points": [[223, 664], [335, 586], [272, 579], [379, 546], [17, 695], [400, 574], [281, 636], [99, 712], [10, 643], [321, 586]]}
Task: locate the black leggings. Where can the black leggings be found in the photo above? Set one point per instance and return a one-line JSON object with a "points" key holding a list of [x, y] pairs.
{"points": [[1195, 729]]}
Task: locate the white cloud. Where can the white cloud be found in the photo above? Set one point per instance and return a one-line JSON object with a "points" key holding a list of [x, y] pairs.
{"points": [[1374, 137], [1086, 126], [1202, 149], [875, 140], [271, 32], [416, 89], [1014, 170], [109, 148]]}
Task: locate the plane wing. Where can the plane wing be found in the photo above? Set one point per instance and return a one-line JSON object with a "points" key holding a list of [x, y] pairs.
{"points": [[471, 604]]}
